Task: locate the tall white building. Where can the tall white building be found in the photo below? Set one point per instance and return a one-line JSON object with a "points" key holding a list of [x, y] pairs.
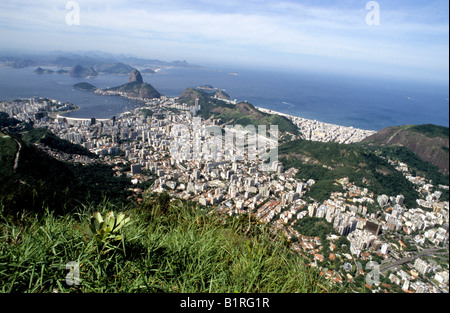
{"points": [[385, 248], [422, 266], [311, 211]]}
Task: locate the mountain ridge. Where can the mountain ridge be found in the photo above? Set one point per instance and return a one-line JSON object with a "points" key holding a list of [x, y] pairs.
{"points": [[242, 113], [87, 59], [429, 142], [78, 70]]}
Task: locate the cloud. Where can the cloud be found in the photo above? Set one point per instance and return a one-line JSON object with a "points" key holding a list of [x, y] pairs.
{"points": [[408, 34]]}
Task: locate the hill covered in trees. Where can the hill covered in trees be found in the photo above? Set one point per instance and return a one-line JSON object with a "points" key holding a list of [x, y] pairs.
{"points": [[242, 113], [364, 165], [31, 179], [429, 142]]}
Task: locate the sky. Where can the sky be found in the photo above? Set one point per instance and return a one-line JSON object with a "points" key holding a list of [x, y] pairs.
{"points": [[396, 38]]}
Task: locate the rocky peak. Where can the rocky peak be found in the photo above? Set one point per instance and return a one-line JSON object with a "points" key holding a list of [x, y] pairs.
{"points": [[136, 76]]}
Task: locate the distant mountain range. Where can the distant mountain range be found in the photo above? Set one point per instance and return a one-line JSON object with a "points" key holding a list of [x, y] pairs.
{"points": [[88, 64], [101, 61]]}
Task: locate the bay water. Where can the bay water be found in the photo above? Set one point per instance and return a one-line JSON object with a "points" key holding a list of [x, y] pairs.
{"points": [[361, 102]]}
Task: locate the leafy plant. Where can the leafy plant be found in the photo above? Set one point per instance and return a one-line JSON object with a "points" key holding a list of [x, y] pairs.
{"points": [[187, 251], [107, 229]]}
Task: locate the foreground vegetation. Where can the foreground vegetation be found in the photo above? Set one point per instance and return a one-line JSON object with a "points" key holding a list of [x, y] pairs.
{"points": [[167, 246]]}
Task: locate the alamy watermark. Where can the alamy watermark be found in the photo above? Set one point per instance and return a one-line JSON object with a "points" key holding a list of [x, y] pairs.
{"points": [[374, 16], [73, 277], [373, 277], [233, 143], [372, 271], [73, 16]]}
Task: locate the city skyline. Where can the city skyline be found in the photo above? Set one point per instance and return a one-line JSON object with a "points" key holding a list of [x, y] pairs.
{"points": [[379, 38]]}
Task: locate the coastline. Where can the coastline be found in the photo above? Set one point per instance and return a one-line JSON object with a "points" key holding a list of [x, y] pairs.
{"points": [[324, 132], [269, 111], [313, 130], [59, 114]]}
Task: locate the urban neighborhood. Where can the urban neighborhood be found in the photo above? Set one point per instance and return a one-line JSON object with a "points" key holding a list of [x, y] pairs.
{"points": [[373, 238]]}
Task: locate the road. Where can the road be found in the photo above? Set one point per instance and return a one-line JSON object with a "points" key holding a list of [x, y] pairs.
{"points": [[16, 161], [428, 252]]}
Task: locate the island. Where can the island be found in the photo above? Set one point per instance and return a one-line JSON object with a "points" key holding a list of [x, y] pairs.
{"points": [[148, 71], [85, 86], [136, 88], [78, 70], [40, 70], [207, 88]]}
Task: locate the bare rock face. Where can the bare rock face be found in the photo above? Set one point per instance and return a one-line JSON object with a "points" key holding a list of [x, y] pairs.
{"points": [[136, 76]]}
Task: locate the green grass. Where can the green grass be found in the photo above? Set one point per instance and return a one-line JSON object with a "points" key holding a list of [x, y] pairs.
{"points": [[168, 247]]}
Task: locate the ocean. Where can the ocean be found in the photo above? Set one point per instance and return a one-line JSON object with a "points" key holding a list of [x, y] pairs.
{"points": [[365, 103]]}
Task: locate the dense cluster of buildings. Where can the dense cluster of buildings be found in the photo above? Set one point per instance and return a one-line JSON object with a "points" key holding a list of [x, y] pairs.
{"points": [[34, 108], [324, 132], [151, 143]]}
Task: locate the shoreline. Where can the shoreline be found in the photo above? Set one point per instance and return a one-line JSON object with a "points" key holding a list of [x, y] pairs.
{"points": [[292, 117], [59, 114], [315, 130]]}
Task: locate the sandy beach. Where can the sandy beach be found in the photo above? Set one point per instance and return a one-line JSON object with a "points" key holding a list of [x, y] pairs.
{"points": [[324, 132]]}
